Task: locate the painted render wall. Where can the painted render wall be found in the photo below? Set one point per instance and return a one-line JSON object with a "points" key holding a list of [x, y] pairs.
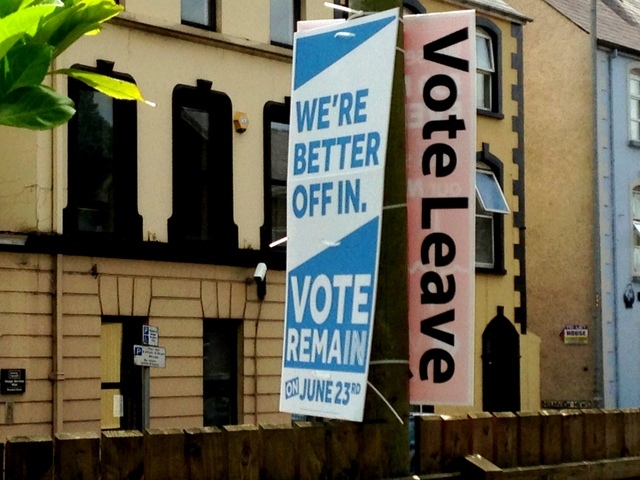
{"points": [[175, 300], [559, 195], [498, 290], [619, 172]]}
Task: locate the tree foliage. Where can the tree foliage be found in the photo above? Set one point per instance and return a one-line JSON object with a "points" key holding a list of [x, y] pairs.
{"points": [[32, 34]]}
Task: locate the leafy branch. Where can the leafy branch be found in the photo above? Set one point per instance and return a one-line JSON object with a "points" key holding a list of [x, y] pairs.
{"points": [[32, 34]]}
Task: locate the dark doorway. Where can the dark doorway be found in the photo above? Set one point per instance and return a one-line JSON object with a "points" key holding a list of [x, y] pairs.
{"points": [[121, 379], [500, 366]]}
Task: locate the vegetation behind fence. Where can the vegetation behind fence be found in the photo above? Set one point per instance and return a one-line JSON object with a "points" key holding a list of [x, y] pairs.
{"points": [[550, 444]]}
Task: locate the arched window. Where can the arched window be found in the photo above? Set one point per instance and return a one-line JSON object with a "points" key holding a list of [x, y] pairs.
{"points": [[634, 105], [635, 219], [488, 75], [491, 205]]}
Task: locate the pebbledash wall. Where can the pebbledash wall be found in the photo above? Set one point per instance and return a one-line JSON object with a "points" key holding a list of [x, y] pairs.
{"points": [[175, 299]]}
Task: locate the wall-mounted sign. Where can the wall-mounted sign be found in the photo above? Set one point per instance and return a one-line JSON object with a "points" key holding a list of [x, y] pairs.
{"points": [[340, 104], [13, 380], [150, 335], [148, 356], [575, 335], [440, 125]]}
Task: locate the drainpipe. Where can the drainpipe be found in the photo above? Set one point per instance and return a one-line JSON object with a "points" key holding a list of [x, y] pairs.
{"points": [[598, 364], [56, 376], [614, 223]]}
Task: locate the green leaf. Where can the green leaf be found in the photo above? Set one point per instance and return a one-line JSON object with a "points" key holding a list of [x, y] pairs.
{"points": [[86, 16], [35, 108], [25, 65], [113, 87], [52, 24], [18, 24]]}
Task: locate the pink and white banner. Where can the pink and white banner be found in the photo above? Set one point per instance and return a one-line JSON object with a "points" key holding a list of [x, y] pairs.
{"points": [[440, 70]]}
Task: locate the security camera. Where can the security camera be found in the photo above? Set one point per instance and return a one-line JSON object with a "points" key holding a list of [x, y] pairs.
{"points": [[260, 273], [260, 276]]}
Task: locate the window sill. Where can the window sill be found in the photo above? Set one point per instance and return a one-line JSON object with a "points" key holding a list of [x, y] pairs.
{"points": [[491, 270], [489, 113], [202, 36], [634, 143]]}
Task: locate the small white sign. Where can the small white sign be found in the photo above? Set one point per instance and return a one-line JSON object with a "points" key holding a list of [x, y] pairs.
{"points": [[150, 335], [149, 356], [118, 406]]}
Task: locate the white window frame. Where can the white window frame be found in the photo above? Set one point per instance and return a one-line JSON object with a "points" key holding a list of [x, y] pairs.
{"points": [[635, 227], [486, 211], [484, 88], [634, 97]]}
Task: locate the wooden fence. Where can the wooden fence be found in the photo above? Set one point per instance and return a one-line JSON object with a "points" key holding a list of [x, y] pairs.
{"points": [[580, 445]]}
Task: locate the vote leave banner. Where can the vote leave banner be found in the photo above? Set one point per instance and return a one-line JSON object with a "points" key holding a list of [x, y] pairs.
{"points": [[340, 102], [440, 109]]}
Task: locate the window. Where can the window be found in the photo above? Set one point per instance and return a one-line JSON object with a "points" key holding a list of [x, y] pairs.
{"points": [[634, 106], [102, 166], [202, 168], [635, 212], [283, 18], [199, 13], [276, 146], [339, 13], [488, 83], [491, 205], [220, 372], [409, 7], [121, 399]]}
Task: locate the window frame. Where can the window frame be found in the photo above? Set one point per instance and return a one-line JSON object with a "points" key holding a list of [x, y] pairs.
{"points": [[219, 232], [274, 112], [211, 24], [635, 232], [127, 222], [486, 161], [413, 6], [634, 122], [231, 328], [488, 29], [296, 17]]}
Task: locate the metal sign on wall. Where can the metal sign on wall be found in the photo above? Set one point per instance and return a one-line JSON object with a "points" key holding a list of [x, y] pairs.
{"points": [[340, 101], [440, 109]]}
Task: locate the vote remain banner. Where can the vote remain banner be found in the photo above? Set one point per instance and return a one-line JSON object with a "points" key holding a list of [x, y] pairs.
{"points": [[340, 104], [440, 110]]}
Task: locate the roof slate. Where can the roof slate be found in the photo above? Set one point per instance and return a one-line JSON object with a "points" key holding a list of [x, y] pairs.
{"points": [[618, 20]]}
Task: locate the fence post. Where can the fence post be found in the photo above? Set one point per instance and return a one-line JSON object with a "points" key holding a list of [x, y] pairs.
{"points": [[572, 436], [428, 444], [77, 455], [122, 455], [476, 467], [614, 434], [343, 441], [372, 456], [311, 461], [164, 454], [551, 432], [207, 454], [244, 451], [29, 457], [456, 436], [529, 439], [594, 439], [482, 434], [278, 454], [505, 439], [631, 431]]}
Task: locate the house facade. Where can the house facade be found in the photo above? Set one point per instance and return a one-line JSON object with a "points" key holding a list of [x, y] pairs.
{"points": [[131, 237], [507, 372], [581, 191]]}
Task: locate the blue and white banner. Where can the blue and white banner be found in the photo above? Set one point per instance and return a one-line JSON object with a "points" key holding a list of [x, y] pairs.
{"points": [[341, 96]]}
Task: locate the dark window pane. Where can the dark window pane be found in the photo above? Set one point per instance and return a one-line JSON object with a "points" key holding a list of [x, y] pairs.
{"points": [[220, 372], [282, 21], [197, 12]]}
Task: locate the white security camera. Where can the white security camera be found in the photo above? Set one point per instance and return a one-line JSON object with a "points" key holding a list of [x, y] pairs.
{"points": [[261, 272]]}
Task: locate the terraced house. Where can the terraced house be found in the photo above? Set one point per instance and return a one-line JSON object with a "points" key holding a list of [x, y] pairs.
{"points": [[131, 236]]}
